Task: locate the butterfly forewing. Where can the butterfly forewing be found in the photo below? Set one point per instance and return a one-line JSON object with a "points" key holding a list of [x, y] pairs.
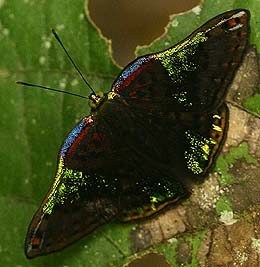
{"points": [[194, 74]]}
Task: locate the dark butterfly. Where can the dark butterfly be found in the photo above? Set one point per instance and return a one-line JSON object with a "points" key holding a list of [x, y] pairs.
{"points": [[159, 128]]}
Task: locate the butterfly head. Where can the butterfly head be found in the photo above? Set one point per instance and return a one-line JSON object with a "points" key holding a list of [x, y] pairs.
{"points": [[96, 100]]}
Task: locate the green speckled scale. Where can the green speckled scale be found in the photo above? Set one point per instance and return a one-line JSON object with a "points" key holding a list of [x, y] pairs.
{"points": [[157, 131]]}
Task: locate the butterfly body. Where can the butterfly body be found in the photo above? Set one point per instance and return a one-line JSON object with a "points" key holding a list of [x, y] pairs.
{"points": [[159, 128]]}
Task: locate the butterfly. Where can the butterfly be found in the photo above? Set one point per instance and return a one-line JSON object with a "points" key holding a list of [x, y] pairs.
{"points": [[157, 131]]}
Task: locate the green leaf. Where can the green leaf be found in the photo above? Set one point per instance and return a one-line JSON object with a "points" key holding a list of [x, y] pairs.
{"points": [[34, 123]]}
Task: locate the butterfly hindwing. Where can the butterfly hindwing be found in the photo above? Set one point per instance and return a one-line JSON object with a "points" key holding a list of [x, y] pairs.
{"points": [[107, 187], [103, 188]]}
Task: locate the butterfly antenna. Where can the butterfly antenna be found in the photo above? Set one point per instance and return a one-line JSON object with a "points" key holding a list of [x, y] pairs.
{"points": [[48, 88], [71, 60]]}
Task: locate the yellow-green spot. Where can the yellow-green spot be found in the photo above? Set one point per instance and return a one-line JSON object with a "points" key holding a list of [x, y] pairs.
{"points": [[216, 128], [206, 150], [179, 59], [153, 201], [216, 116], [181, 97], [48, 207], [197, 155], [66, 186]]}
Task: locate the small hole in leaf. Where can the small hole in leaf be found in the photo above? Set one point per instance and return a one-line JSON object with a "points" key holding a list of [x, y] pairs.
{"points": [[132, 23], [150, 260]]}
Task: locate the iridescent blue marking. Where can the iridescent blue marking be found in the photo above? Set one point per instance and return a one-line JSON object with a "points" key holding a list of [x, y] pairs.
{"points": [[72, 136], [131, 69]]}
